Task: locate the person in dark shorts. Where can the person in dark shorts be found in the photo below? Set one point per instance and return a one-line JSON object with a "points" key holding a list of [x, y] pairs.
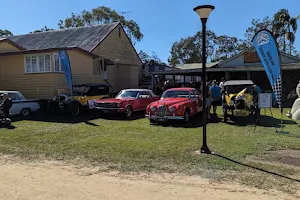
{"points": [[208, 99], [215, 91]]}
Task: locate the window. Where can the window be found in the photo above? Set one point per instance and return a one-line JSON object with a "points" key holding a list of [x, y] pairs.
{"points": [[37, 63], [144, 95], [14, 96], [57, 64], [97, 66]]}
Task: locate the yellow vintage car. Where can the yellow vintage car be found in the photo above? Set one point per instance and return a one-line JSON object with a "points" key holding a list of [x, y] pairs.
{"points": [[241, 99], [83, 98]]}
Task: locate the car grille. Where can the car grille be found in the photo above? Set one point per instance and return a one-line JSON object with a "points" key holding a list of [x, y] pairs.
{"points": [[240, 104], [162, 111], [106, 105]]}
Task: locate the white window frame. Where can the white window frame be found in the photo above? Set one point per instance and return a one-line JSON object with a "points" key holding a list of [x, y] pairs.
{"points": [[60, 67], [37, 63]]}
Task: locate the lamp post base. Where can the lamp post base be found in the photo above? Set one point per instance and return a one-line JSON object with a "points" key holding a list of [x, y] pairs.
{"points": [[205, 150]]}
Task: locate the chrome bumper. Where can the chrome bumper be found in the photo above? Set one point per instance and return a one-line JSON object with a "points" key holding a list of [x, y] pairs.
{"points": [[164, 118], [103, 108]]}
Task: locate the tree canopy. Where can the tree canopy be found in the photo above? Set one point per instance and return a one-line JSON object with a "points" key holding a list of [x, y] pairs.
{"points": [[282, 25], [43, 30], [102, 15], [150, 59], [5, 33]]}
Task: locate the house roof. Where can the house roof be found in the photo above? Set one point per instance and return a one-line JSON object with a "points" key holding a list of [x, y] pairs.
{"points": [[196, 65], [11, 42], [251, 49], [86, 38], [48, 50]]}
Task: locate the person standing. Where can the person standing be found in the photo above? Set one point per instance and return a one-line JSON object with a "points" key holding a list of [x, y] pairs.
{"points": [[222, 82], [298, 89], [216, 96], [257, 89], [5, 104], [208, 99]]}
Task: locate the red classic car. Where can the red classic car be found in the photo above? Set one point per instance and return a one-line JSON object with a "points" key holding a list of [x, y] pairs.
{"points": [[127, 101], [175, 104]]}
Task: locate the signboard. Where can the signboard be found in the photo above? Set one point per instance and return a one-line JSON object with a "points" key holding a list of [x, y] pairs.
{"points": [[265, 100], [251, 57]]}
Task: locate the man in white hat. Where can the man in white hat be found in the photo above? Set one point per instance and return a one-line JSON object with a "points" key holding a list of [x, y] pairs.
{"points": [[5, 104]]}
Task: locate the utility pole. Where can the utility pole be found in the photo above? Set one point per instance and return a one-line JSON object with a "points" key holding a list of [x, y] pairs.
{"points": [[122, 14]]}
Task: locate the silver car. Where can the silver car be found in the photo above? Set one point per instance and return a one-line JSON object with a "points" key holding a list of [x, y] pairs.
{"points": [[21, 105]]}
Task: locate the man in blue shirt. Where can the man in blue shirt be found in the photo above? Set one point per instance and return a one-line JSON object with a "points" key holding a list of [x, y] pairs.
{"points": [[257, 89], [215, 91]]}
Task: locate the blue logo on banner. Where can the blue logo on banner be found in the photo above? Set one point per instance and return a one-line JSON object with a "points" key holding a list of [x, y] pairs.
{"points": [[65, 63], [267, 51]]}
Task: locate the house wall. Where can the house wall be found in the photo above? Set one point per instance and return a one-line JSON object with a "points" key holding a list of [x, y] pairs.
{"points": [[6, 47], [128, 69], [45, 85]]}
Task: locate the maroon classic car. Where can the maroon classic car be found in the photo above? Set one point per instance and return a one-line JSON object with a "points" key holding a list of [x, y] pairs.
{"points": [[127, 101], [175, 104]]}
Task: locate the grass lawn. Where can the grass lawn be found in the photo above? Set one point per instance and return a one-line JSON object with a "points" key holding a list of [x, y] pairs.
{"points": [[135, 145]]}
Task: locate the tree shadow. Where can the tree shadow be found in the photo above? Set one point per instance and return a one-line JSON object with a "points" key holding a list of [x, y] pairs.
{"points": [[256, 168]]}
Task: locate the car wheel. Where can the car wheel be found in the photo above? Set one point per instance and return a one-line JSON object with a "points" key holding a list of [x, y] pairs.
{"points": [[225, 114], [74, 109], [128, 111], [25, 112], [186, 116]]}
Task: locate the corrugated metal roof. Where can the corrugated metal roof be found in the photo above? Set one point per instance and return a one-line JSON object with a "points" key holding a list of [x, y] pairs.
{"points": [[86, 38], [196, 65]]}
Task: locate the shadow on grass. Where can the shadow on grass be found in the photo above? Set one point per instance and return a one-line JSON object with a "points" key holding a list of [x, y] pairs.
{"points": [[121, 117], [84, 117], [195, 122], [256, 168], [265, 121], [7, 127]]}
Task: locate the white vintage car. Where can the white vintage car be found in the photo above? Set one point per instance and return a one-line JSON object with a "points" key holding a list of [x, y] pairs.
{"points": [[20, 105]]}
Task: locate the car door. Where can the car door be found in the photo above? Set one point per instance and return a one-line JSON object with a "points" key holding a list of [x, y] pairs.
{"points": [[144, 99]]}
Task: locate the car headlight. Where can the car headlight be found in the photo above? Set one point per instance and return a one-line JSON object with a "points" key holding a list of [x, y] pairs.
{"points": [[153, 108], [250, 103], [231, 103], [171, 109]]}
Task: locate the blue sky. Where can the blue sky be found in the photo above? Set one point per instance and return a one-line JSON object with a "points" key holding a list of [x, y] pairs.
{"points": [[161, 21]]}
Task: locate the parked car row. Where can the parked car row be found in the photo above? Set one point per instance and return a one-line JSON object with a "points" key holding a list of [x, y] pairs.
{"points": [[174, 104]]}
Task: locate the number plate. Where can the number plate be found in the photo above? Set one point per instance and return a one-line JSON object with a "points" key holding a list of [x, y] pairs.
{"points": [[240, 114], [105, 111]]}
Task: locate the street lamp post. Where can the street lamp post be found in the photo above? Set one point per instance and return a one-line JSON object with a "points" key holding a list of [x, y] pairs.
{"points": [[203, 12]]}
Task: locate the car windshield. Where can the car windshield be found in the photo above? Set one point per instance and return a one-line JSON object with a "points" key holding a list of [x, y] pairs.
{"points": [[127, 94], [175, 94], [234, 89]]}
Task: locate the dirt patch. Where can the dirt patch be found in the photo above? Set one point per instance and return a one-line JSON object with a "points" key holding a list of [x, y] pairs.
{"points": [[286, 157], [55, 180]]}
